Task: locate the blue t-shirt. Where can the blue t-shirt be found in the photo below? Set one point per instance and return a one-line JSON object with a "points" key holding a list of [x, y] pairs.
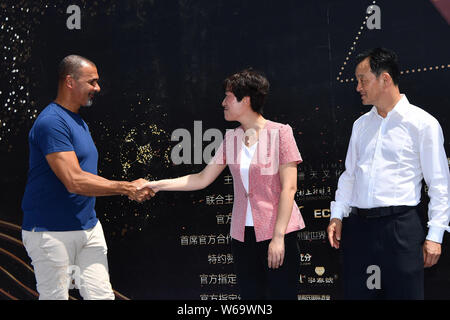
{"points": [[47, 205]]}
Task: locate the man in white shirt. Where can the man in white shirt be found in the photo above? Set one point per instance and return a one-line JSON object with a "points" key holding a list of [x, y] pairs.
{"points": [[392, 148]]}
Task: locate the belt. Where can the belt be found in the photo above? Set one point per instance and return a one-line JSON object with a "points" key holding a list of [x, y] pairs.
{"points": [[380, 211]]}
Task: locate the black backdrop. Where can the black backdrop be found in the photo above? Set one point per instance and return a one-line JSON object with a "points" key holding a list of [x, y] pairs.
{"points": [[161, 65]]}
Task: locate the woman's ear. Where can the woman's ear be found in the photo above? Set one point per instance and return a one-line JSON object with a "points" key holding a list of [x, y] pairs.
{"points": [[246, 100]]}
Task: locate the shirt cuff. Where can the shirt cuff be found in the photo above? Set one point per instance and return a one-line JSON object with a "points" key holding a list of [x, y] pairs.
{"points": [[435, 234], [338, 210]]}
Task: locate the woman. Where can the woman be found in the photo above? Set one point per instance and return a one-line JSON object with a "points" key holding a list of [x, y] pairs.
{"points": [[262, 156]]}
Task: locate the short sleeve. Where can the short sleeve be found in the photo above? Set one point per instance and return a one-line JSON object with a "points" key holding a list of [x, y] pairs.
{"points": [[288, 147], [52, 135]]}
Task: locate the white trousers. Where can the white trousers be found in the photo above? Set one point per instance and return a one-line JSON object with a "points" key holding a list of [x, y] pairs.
{"points": [[56, 255]]}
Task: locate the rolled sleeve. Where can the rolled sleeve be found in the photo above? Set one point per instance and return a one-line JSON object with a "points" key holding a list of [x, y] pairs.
{"points": [[436, 174], [339, 210], [436, 233]]}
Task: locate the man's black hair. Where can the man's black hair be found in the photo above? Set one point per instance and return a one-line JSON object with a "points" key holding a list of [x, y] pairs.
{"points": [[381, 60]]}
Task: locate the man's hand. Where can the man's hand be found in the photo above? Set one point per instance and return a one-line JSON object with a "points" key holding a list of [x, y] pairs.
{"points": [[431, 253], [334, 232], [138, 194]]}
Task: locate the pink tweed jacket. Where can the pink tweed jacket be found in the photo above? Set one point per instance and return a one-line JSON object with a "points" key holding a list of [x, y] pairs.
{"points": [[276, 146]]}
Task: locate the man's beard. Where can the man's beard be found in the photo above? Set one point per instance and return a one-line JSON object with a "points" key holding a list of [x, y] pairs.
{"points": [[89, 102]]}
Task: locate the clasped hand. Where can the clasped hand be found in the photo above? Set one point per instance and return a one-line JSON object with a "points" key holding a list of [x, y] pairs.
{"points": [[140, 193]]}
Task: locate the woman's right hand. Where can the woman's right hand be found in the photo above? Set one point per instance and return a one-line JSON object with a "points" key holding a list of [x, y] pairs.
{"points": [[153, 185]]}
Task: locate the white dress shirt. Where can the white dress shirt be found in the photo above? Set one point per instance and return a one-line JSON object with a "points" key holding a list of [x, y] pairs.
{"points": [[246, 158], [387, 159]]}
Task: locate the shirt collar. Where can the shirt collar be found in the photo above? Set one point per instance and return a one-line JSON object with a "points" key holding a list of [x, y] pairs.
{"points": [[400, 107]]}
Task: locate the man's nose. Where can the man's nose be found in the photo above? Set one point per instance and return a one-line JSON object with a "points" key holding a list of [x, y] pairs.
{"points": [[358, 87]]}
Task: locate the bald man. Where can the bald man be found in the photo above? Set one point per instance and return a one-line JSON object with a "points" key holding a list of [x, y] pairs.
{"points": [[60, 229]]}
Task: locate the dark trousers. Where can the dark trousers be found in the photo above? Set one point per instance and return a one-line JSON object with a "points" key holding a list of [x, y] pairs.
{"points": [[394, 245], [256, 281]]}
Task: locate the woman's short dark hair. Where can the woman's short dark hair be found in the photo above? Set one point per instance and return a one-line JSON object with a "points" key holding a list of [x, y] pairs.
{"points": [[249, 83], [381, 60]]}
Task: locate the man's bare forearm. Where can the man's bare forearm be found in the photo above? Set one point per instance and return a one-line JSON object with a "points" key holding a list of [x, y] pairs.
{"points": [[88, 184]]}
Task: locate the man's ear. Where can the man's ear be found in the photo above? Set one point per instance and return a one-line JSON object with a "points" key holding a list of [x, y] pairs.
{"points": [[387, 79], [69, 81]]}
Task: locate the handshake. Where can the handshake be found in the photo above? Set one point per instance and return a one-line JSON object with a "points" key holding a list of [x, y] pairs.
{"points": [[141, 190]]}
